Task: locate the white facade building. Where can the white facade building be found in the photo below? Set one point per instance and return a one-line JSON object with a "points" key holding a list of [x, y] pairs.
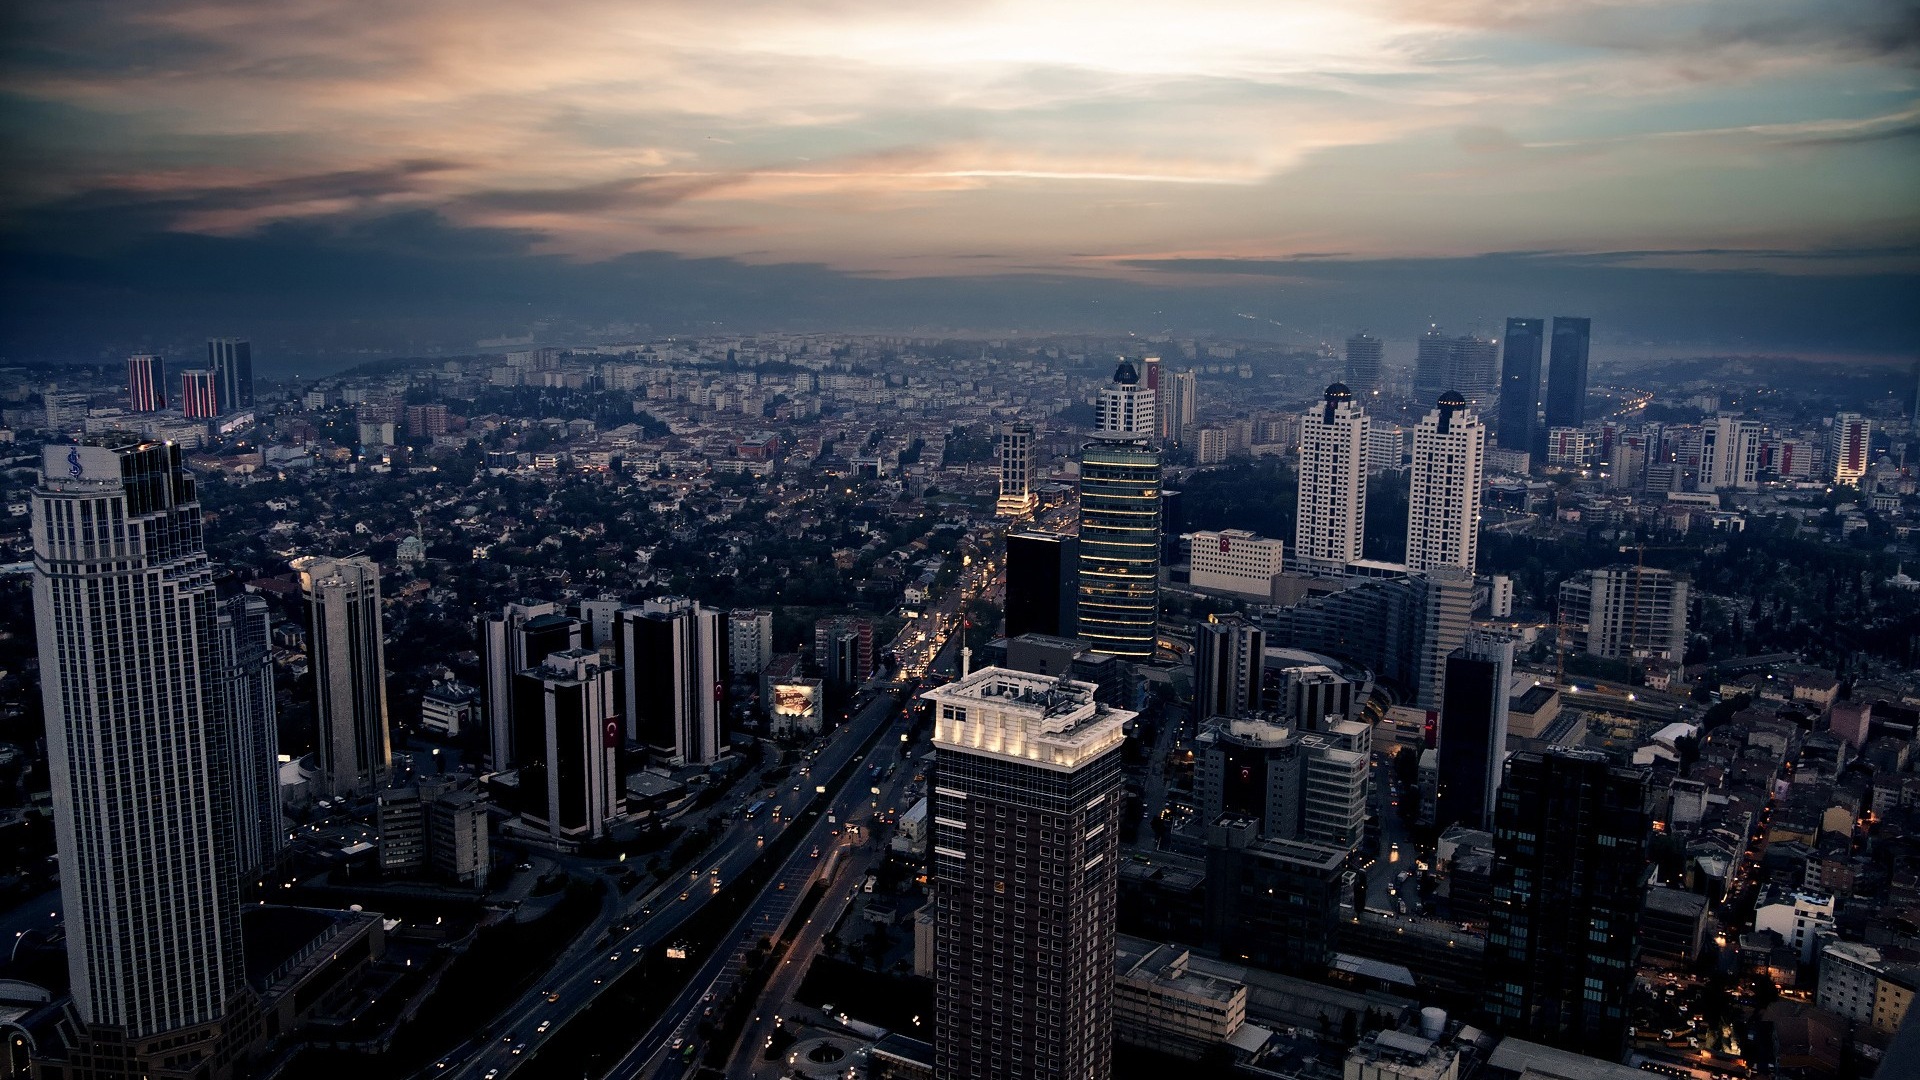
{"points": [[1849, 447], [1443, 501], [1332, 501], [1235, 560], [1730, 455]]}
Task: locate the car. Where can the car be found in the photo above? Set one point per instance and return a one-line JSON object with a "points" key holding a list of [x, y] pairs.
{"points": [[507, 1038], [542, 1029], [491, 1074], [615, 956], [519, 1048], [683, 896], [553, 995]]}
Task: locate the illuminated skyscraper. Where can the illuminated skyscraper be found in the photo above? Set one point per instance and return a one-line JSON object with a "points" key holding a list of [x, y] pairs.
{"points": [[347, 649], [1017, 498], [1331, 503], [199, 394], [1119, 553], [146, 383], [1443, 501], [1567, 372], [1026, 820], [1849, 447], [1520, 385], [142, 760]]}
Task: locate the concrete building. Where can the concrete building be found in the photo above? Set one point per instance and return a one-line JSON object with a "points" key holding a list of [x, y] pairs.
{"points": [[1396, 1055], [1236, 561], [523, 634], [1849, 979], [1293, 785], [1849, 448], [1730, 455], [146, 383], [1473, 731], [1627, 612], [346, 647], [569, 753], [672, 655], [1443, 501], [1042, 583], [1017, 497], [245, 634], [447, 709], [1273, 903], [749, 640], [1228, 660], [1160, 1003], [1331, 505], [1801, 918], [1026, 807], [1364, 357]]}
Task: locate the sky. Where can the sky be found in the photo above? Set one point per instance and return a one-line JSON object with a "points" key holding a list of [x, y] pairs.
{"points": [[1736, 174]]}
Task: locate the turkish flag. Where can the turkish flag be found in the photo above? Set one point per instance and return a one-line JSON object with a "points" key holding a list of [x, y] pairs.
{"points": [[613, 733]]}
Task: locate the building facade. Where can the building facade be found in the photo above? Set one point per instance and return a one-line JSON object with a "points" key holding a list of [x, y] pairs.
{"points": [[1627, 612], [672, 654], [516, 639], [231, 362], [1237, 561], [1849, 448], [199, 394], [1017, 498], [146, 383], [1331, 507], [348, 654], [570, 745], [1026, 817], [1473, 731], [1566, 404], [1365, 356], [1118, 609], [1042, 583], [1520, 385], [246, 655], [1443, 501], [1228, 658]]}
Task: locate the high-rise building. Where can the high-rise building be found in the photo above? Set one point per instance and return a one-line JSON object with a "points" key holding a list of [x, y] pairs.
{"points": [[673, 657], [1473, 369], [1400, 627], [1331, 504], [199, 394], [749, 640], [1849, 448], [1118, 609], [1570, 861], [1365, 355], [1520, 384], [1432, 364], [1386, 448], [1730, 455], [1175, 403], [347, 650], [1473, 730], [843, 650], [146, 383], [1017, 498], [1567, 372], [1271, 902], [1228, 659], [231, 361], [518, 638], [126, 618], [569, 775], [1298, 785], [246, 654], [1042, 586], [1443, 502], [1624, 612], [1026, 822]]}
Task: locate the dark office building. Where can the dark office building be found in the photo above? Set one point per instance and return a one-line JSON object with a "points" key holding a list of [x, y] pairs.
{"points": [[1473, 731], [1520, 385], [1570, 857], [1271, 903], [1365, 357], [231, 361], [1567, 372], [1228, 653], [520, 637], [1040, 583]]}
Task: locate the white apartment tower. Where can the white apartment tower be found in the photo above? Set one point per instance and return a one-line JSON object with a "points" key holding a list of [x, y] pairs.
{"points": [[1443, 504], [1017, 498], [1849, 448], [142, 762], [1176, 403], [348, 652], [1124, 408], [1730, 455], [1332, 501]]}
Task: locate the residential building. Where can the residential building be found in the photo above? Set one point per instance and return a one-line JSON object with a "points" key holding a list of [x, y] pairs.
{"points": [[346, 647], [1443, 501], [1365, 356], [1026, 819], [1730, 455], [1331, 504], [1849, 448], [749, 640]]}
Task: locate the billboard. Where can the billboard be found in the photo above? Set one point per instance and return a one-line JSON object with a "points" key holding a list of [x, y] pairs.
{"points": [[800, 699]]}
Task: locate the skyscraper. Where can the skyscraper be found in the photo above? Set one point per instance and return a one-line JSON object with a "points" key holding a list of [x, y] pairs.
{"points": [[673, 657], [1432, 364], [1364, 357], [1520, 384], [1331, 503], [1175, 403], [1017, 498], [1730, 455], [1472, 368], [1041, 583], [1228, 657], [518, 638], [1570, 863], [246, 655], [199, 394], [146, 383], [1298, 784], [570, 745], [127, 624], [1026, 821], [1118, 611], [346, 647], [1567, 372], [231, 361], [1473, 730], [1443, 501], [1848, 448]]}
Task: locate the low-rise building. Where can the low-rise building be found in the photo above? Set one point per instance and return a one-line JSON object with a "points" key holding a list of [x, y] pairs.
{"points": [[1159, 1003]]}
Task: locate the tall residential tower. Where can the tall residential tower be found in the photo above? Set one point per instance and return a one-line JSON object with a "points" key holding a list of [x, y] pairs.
{"points": [[1443, 501], [1331, 505]]}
